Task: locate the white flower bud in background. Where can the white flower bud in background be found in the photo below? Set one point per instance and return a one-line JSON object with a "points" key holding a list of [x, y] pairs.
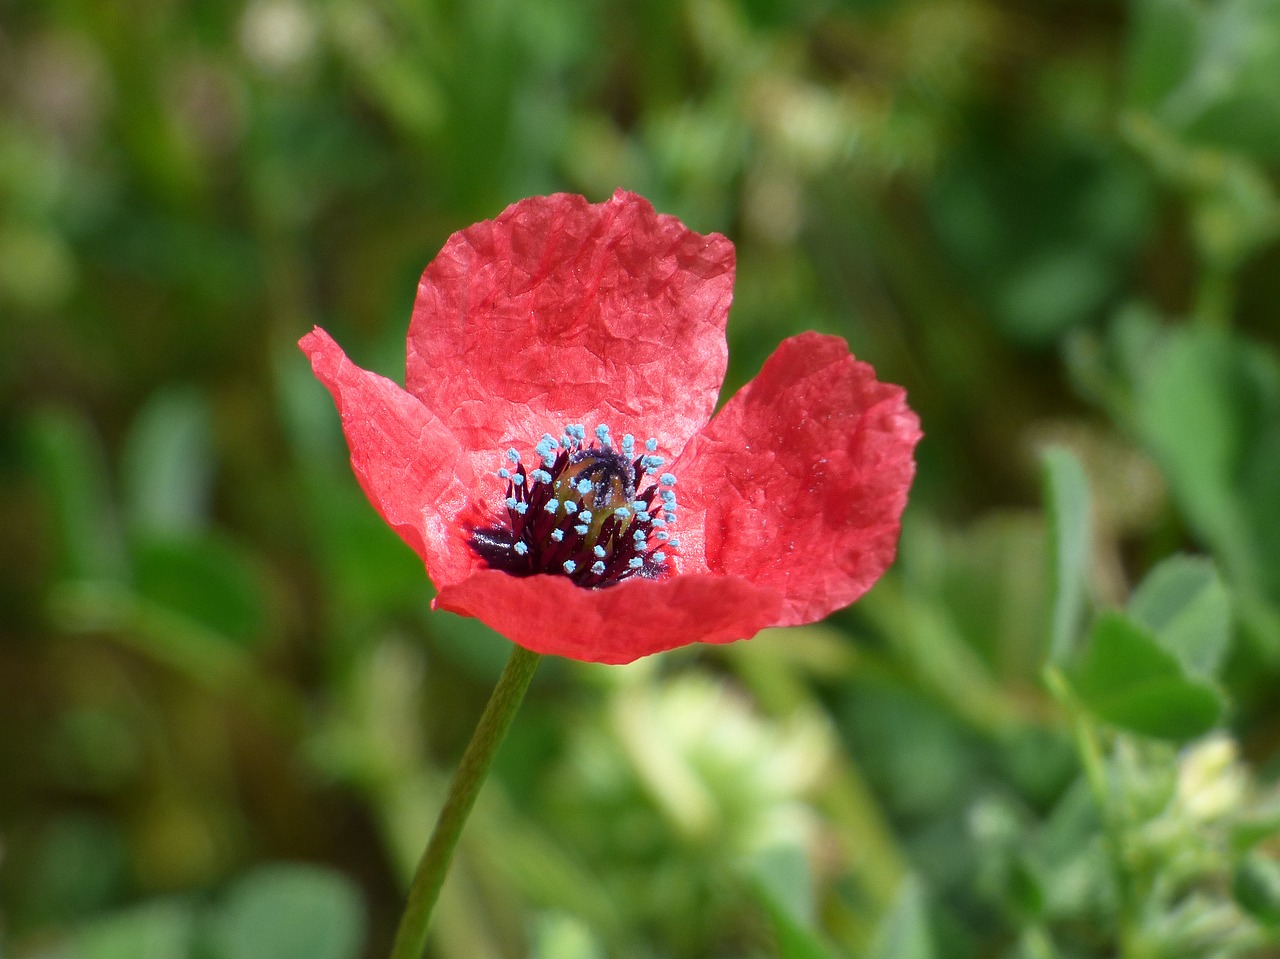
{"points": [[278, 35], [1211, 781]]}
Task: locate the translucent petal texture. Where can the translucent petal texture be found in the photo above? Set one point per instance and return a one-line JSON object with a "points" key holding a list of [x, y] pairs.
{"points": [[560, 311], [408, 463], [799, 482], [549, 614]]}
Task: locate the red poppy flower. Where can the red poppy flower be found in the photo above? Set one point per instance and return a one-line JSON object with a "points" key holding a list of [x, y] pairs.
{"points": [[553, 456]]}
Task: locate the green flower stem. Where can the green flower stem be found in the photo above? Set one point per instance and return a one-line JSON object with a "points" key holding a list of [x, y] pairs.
{"points": [[411, 937]]}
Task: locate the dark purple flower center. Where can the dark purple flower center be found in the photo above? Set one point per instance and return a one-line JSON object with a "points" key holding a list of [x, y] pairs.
{"points": [[579, 514]]}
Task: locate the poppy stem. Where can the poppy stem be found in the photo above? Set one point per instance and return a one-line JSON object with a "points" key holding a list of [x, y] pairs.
{"points": [[411, 937]]}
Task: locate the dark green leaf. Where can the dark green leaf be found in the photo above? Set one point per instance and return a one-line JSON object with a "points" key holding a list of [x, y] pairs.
{"points": [[205, 579], [1256, 885], [1125, 678], [71, 466]]}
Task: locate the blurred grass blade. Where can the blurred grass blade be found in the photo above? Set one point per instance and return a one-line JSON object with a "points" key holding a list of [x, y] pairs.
{"points": [[1185, 605], [168, 463], [1067, 502], [69, 463]]}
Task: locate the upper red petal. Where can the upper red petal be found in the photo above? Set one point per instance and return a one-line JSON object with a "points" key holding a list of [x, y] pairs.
{"points": [[561, 311], [408, 463], [800, 481], [549, 614]]}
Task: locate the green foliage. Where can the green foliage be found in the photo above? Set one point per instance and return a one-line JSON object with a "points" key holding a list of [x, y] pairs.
{"points": [[1125, 678], [1048, 733], [286, 911]]}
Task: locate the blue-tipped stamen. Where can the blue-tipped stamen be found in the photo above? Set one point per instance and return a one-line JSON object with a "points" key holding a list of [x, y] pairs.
{"points": [[578, 513]]}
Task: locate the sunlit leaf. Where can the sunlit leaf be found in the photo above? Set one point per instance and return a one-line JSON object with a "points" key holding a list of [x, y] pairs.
{"points": [[167, 464], [1186, 607]]}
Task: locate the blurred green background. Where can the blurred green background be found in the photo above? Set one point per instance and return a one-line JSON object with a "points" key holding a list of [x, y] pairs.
{"points": [[226, 714]]}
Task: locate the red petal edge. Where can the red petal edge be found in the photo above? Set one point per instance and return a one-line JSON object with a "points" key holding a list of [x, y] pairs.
{"points": [[549, 614], [799, 482], [407, 462], [561, 311]]}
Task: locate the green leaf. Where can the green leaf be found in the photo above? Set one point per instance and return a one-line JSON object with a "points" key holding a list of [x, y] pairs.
{"points": [[1209, 71], [904, 932], [70, 464], [205, 579], [1207, 406], [1256, 885], [157, 930], [1162, 47], [1127, 679], [558, 935], [290, 912], [1067, 501], [168, 463], [1184, 604], [784, 887]]}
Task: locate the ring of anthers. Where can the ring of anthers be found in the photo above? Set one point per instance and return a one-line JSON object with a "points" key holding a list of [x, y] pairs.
{"points": [[578, 514]]}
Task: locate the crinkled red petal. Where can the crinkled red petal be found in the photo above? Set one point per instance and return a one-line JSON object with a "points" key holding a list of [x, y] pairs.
{"points": [[561, 311], [549, 614], [408, 463], [799, 482]]}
